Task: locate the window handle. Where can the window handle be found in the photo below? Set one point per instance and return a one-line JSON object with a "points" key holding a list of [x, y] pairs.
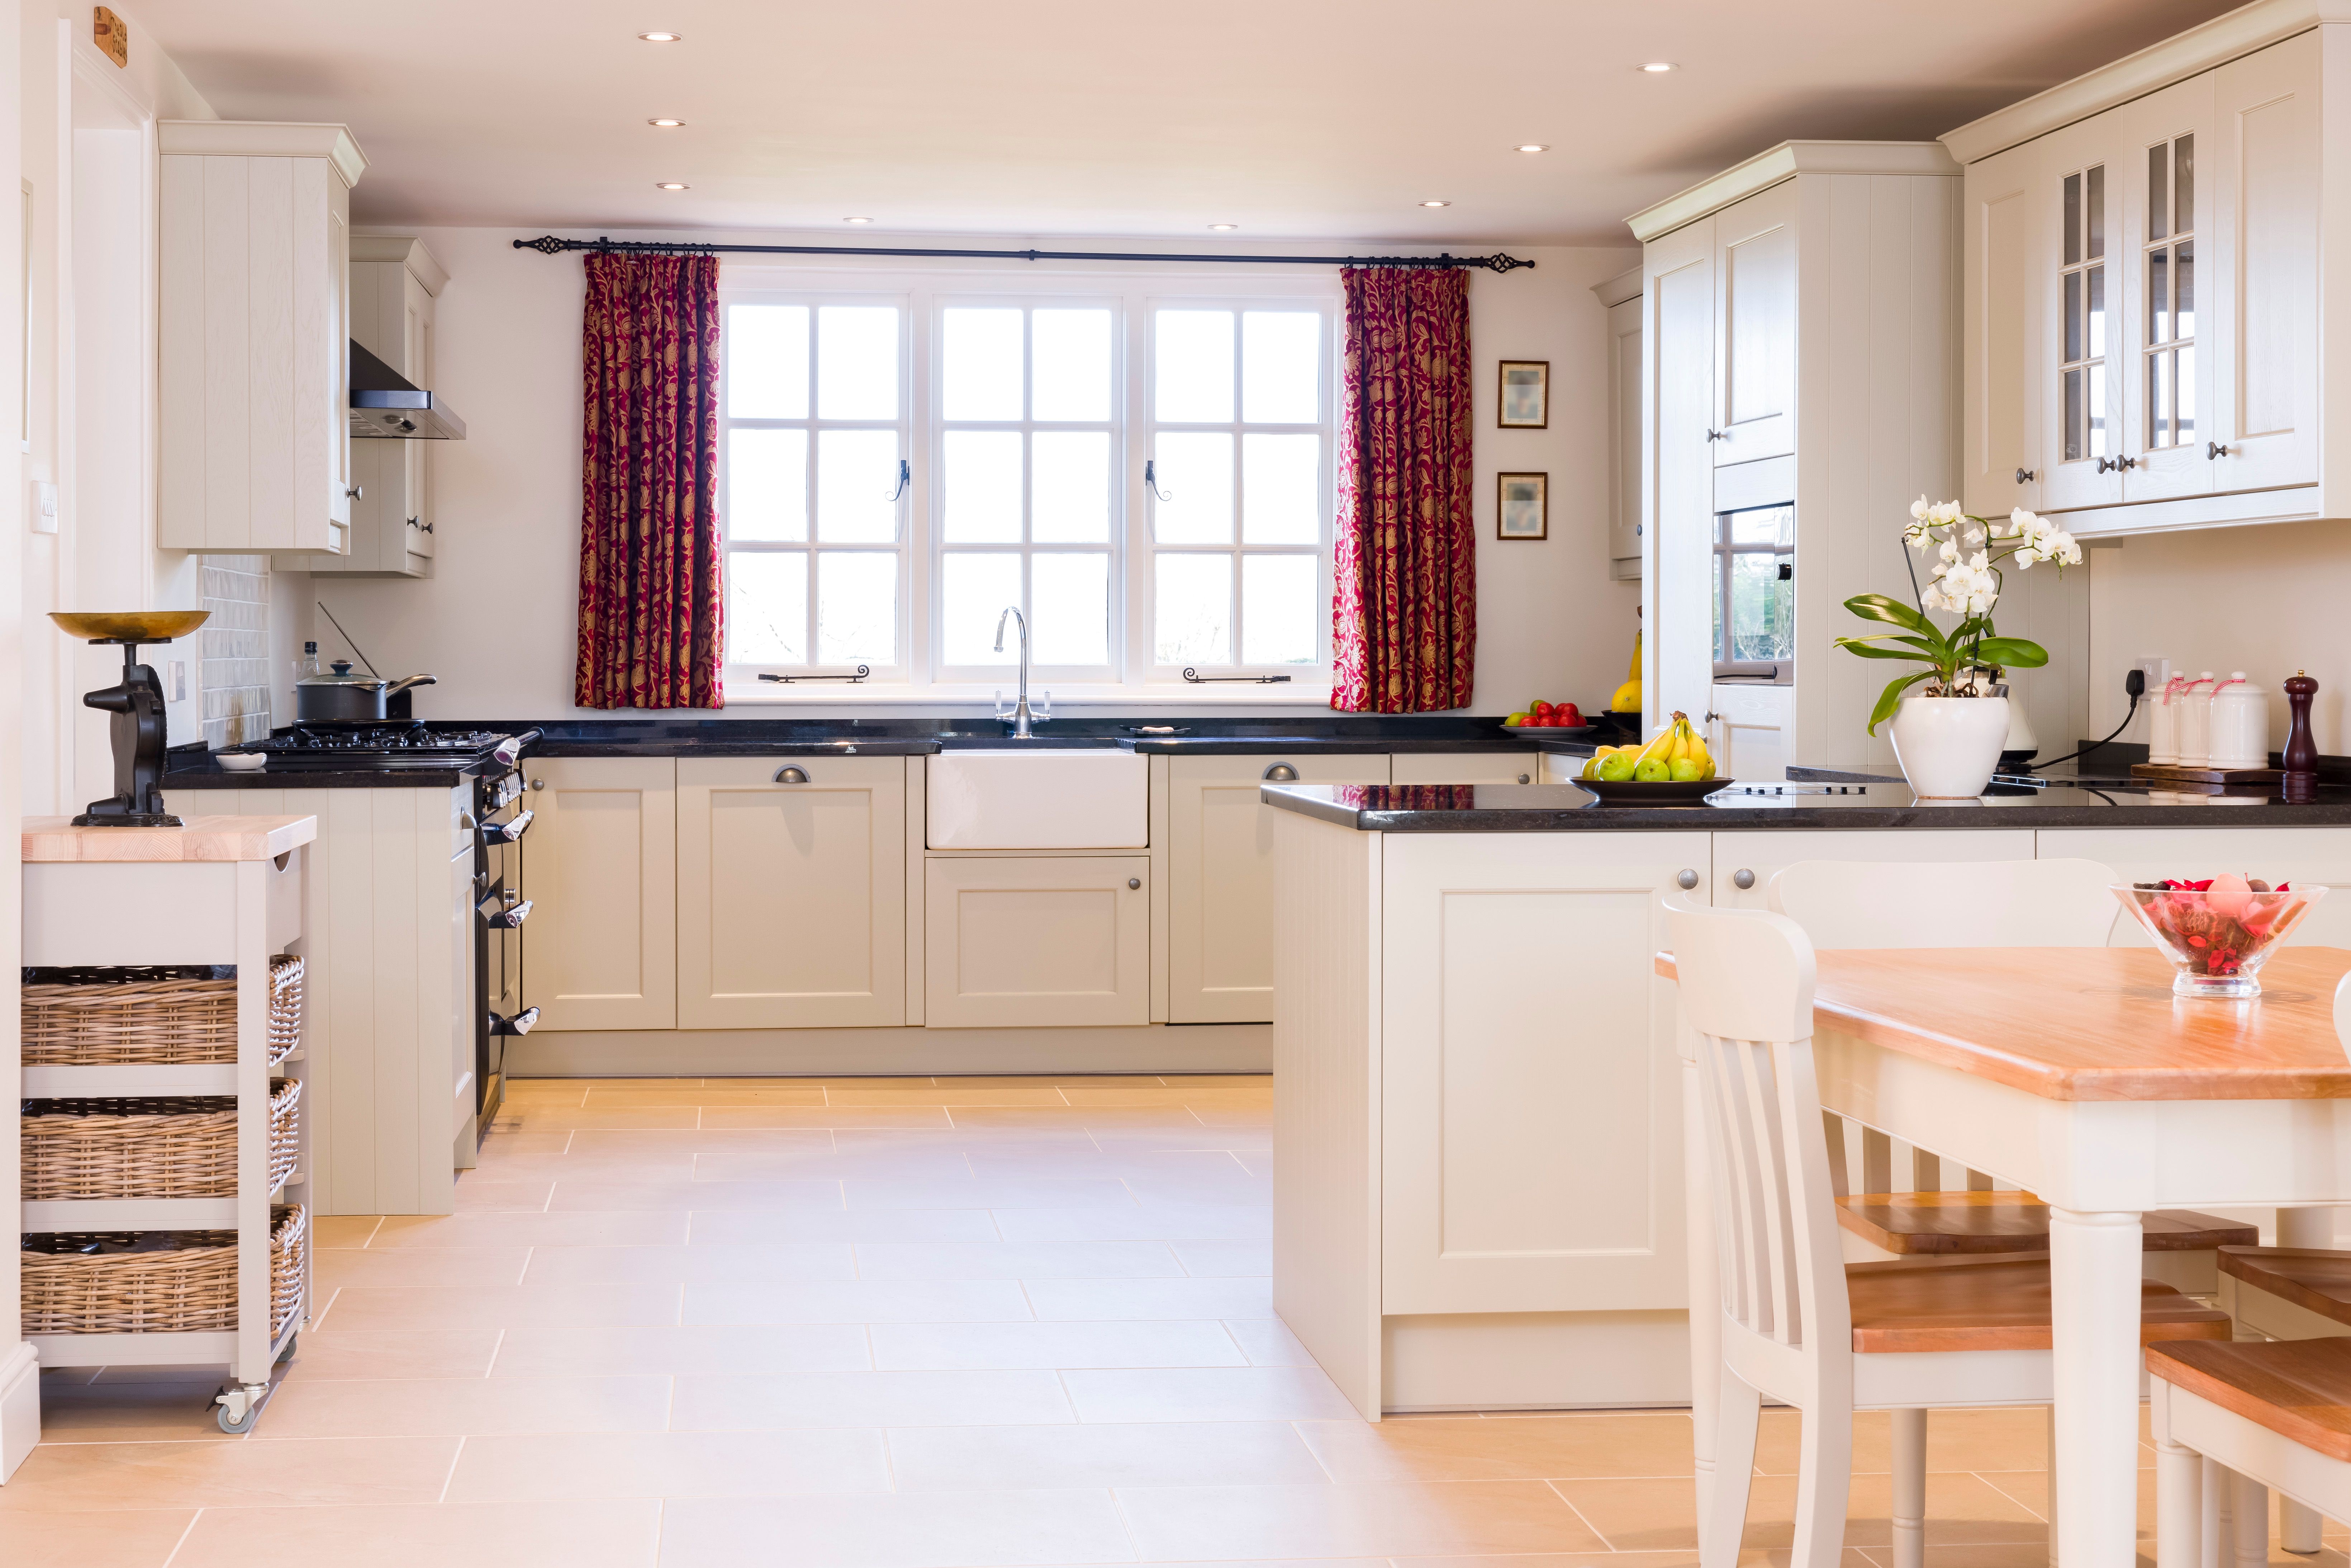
{"points": [[1151, 479], [905, 476]]}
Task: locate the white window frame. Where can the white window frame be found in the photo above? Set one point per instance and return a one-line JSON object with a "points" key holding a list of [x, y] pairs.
{"points": [[1146, 431], [922, 290], [742, 679]]}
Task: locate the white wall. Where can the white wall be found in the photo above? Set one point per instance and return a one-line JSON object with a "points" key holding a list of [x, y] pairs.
{"points": [[496, 623], [2268, 601]]}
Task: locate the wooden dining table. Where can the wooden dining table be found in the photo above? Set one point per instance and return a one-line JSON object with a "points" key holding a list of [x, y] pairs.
{"points": [[2074, 1073]]}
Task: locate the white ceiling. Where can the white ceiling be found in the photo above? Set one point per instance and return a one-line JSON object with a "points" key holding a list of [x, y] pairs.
{"points": [[1325, 119]]}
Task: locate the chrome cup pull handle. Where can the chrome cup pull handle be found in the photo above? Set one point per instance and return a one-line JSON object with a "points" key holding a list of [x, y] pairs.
{"points": [[1282, 773], [791, 776]]}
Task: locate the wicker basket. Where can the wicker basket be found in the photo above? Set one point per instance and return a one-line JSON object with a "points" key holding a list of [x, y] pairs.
{"points": [[167, 1020], [151, 1147], [187, 1284]]}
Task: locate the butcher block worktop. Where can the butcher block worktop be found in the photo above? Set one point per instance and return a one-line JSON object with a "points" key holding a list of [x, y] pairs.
{"points": [[2113, 1032], [53, 839]]}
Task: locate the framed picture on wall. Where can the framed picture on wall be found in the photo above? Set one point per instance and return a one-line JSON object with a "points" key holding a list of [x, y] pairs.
{"points": [[1526, 396], [1522, 507]]}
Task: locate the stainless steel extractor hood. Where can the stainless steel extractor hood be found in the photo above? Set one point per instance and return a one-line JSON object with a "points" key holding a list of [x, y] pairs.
{"points": [[385, 407]]}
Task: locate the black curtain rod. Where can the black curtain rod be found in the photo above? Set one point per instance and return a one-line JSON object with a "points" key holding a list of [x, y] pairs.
{"points": [[547, 245]]}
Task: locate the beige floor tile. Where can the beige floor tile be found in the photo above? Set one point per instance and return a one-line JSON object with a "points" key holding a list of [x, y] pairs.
{"points": [[1013, 1155], [669, 1464], [143, 1538], [1170, 1094], [1178, 1135], [296, 1472], [1257, 1162], [534, 1118], [2015, 1440], [1331, 1520], [2029, 1489], [674, 1165], [739, 1402], [961, 1192], [503, 1145], [1226, 1259], [477, 1194], [832, 1164], [702, 1141], [363, 1307], [803, 1081], [1153, 1454], [1658, 1515], [518, 1096], [554, 1229], [621, 1533], [674, 1199], [700, 1349], [1002, 1093], [764, 1094], [976, 1530], [426, 1266], [1469, 1449], [1237, 1123], [1045, 1080], [703, 1263], [741, 1228], [330, 1230], [835, 1116], [1076, 1300], [462, 1407], [129, 1412], [1268, 1342], [1032, 1120], [1218, 1080], [1016, 1260], [908, 1347], [1749, 1557], [1146, 1221], [860, 1302], [322, 1355], [1207, 1393], [1064, 1135]]}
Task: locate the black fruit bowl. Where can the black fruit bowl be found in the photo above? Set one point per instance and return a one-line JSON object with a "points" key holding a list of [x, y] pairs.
{"points": [[1634, 792]]}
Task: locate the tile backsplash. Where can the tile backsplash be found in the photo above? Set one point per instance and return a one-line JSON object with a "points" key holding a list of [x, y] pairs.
{"points": [[236, 665]]}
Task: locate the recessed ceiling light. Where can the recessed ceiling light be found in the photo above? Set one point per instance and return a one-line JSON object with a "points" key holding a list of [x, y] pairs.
{"points": [[670, 185], [1659, 67], [857, 220], [666, 124], [1221, 227], [662, 38], [1534, 146], [1437, 204]]}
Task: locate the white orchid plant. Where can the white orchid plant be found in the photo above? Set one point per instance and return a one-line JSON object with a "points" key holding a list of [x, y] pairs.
{"points": [[1966, 579]]}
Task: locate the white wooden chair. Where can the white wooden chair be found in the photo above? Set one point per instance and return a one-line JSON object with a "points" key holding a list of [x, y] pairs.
{"points": [[1973, 903], [2272, 1414], [1797, 1324]]}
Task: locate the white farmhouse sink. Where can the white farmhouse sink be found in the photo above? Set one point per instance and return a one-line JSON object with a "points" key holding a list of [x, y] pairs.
{"points": [[1039, 799]]}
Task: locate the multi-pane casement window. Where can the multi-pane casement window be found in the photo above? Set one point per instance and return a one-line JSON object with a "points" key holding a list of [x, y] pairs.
{"points": [[1240, 484], [814, 438], [1146, 475]]}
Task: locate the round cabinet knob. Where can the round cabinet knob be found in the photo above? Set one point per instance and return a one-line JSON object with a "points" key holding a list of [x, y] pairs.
{"points": [[1687, 880], [1134, 881], [791, 776], [1282, 773], [1522, 779], [1742, 879], [538, 783]]}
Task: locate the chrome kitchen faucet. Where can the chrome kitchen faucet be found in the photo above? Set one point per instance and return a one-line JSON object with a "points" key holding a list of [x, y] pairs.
{"points": [[1020, 713]]}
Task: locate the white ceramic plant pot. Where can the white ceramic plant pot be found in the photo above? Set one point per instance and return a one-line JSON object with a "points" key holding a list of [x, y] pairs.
{"points": [[1948, 746]]}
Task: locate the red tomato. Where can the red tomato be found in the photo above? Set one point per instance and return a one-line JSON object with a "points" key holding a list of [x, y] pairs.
{"points": [[1573, 715]]}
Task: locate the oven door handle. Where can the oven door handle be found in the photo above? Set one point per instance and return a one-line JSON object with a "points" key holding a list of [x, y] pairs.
{"points": [[507, 918], [507, 831]]}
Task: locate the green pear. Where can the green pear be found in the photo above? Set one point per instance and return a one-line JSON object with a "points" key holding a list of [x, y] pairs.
{"points": [[1686, 770], [1653, 770], [1616, 768]]}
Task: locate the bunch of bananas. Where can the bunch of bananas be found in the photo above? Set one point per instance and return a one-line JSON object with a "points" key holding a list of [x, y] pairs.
{"points": [[1628, 696], [1677, 755]]}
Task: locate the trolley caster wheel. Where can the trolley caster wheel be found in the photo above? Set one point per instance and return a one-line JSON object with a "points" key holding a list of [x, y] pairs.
{"points": [[288, 1353], [239, 1409], [238, 1428]]}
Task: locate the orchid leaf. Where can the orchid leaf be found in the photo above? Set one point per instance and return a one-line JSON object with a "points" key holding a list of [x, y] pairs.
{"points": [[1864, 647], [2014, 651], [1891, 698], [1893, 612]]}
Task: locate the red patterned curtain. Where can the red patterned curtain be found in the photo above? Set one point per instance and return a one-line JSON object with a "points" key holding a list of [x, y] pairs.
{"points": [[1404, 618], [651, 610]]}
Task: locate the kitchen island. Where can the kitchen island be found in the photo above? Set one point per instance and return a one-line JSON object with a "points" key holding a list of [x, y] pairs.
{"points": [[1479, 1199]]}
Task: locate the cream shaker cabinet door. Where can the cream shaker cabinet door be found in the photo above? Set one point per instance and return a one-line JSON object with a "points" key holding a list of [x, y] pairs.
{"points": [[1036, 942], [1220, 866], [2001, 423], [2263, 317], [2081, 345], [791, 884], [2166, 260], [600, 945], [1677, 510], [1755, 328], [1624, 341], [1530, 1145], [1465, 768]]}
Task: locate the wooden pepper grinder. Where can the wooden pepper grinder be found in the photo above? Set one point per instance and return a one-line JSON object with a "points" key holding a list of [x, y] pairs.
{"points": [[2300, 757]]}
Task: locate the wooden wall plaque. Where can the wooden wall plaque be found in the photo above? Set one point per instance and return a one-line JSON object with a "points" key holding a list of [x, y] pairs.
{"points": [[111, 34]]}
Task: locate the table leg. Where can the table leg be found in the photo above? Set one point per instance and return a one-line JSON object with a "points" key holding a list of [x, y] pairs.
{"points": [[1705, 1288], [2094, 1267]]}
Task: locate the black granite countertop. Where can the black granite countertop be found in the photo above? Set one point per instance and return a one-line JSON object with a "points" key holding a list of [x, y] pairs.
{"points": [[1877, 803], [192, 767]]}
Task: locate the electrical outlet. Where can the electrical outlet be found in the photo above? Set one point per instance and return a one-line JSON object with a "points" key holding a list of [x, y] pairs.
{"points": [[179, 680], [2156, 672], [45, 507]]}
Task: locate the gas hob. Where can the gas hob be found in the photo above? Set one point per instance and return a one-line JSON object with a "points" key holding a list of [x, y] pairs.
{"points": [[388, 746]]}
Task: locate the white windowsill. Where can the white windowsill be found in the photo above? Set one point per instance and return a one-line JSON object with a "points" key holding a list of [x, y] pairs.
{"points": [[767, 694]]}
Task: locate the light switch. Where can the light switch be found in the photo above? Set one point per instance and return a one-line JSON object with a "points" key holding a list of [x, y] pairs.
{"points": [[45, 507], [179, 680]]}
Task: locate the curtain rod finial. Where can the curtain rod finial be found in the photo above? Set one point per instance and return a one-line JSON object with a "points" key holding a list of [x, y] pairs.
{"points": [[546, 244]]}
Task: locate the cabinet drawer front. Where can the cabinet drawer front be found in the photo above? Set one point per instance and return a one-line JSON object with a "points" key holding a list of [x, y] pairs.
{"points": [[1465, 767], [1762, 856], [1220, 907], [791, 895], [1037, 943]]}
